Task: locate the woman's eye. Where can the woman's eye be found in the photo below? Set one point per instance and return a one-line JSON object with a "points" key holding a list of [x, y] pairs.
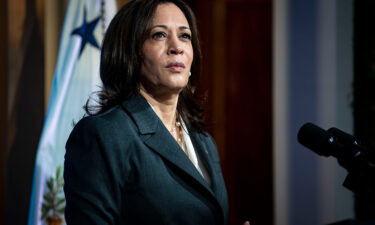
{"points": [[186, 36], [159, 35]]}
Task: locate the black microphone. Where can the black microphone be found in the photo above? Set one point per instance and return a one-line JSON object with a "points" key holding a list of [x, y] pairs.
{"points": [[318, 140], [333, 142], [349, 153]]}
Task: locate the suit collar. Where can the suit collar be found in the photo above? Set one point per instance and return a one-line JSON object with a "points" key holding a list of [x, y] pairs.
{"points": [[157, 137], [144, 117], [203, 152]]}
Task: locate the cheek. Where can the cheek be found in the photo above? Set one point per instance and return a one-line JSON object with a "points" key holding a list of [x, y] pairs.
{"points": [[190, 54], [152, 60], [150, 69], [149, 65]]}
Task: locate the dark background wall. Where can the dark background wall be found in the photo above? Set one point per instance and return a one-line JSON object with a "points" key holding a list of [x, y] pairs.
{"points": [[3, 103], [364, 96], [24, 104], [237, 50]]}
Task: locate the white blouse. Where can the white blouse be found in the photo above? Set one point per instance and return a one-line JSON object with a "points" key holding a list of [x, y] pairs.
{"points": [[190, 152]]}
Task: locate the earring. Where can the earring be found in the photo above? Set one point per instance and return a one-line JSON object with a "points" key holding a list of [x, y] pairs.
{"points": [[189, 74]]}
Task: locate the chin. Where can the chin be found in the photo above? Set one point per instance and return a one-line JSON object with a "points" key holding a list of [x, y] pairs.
{"points": [[177, 84], [176, 88]]}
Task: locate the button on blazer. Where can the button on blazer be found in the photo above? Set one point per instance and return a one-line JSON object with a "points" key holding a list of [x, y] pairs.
{"points": [[124, 167]]}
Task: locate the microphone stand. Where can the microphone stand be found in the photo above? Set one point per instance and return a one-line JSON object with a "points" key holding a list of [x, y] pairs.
{"points": [[360, 165]]}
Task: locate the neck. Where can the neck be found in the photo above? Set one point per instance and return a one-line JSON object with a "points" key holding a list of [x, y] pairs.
{"points": [[165, 106]]}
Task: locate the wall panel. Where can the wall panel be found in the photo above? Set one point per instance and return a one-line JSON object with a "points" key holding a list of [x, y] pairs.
{"points": [[237, 65], [249, 111], [25, 82], [3, 103]]}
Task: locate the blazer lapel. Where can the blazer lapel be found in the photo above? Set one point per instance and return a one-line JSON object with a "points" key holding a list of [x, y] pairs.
{"points": [[217, 184], [163, 143], [203, 153], [157, 137]]}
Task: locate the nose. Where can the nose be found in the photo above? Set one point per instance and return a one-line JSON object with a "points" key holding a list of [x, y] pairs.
{"points": [[175, 51], [175, 47]]}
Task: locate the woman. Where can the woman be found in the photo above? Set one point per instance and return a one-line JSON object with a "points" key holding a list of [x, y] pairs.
{"points": [[143, 157]]}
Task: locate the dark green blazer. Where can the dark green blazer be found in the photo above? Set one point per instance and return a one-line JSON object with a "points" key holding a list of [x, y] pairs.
{"points": [[124, 167]]}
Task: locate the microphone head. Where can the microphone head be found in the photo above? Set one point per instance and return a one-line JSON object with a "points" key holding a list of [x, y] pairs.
{"points": [[343, 137], [316, 139]]}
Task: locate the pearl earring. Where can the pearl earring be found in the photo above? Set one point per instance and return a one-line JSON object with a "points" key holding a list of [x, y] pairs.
{"points": [[189, 74]]}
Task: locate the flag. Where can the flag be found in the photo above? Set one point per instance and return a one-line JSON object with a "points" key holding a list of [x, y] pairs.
{"points": [[76, 77]]}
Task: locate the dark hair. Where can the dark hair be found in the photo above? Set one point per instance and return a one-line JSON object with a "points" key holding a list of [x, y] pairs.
{"points": [[121, 60]]}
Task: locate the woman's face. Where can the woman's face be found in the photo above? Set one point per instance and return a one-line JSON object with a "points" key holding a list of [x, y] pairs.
{"points": [[167, 51]]}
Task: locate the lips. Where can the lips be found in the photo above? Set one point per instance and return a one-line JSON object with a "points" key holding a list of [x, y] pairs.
{"points": [[176, 66]]}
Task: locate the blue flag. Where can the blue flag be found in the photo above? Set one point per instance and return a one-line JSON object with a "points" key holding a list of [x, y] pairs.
{"points": [[76, 77]]}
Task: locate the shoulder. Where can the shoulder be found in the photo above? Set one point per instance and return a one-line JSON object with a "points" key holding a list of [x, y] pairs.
{"points": [[110, 129], [106, 138], [111, 121]]}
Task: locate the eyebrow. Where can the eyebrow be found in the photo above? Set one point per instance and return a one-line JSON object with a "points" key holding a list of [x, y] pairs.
{"points": [[165, 27]]}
